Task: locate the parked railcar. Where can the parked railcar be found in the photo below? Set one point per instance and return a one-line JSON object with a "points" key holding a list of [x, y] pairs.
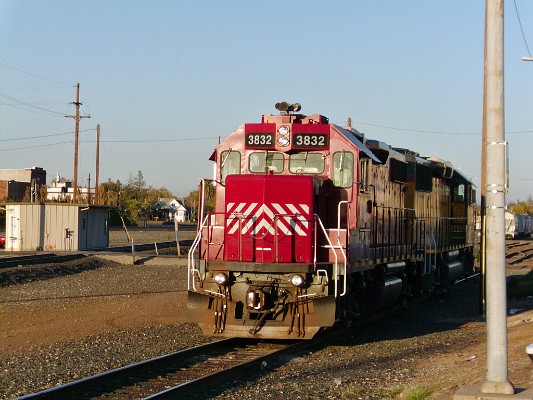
{"points": [[313, 223], [518, 225], [511, 225]]}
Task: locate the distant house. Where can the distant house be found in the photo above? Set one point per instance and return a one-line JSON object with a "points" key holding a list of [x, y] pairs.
{"points": [[167, 209]]}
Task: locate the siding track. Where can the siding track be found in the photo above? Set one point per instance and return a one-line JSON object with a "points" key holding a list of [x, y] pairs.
{"points": [[174, 375]]}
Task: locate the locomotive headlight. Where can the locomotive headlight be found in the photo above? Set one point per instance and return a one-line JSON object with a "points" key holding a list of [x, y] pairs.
{"points": [[298, 280], [283, 130], [221, 279], [283, 141]]}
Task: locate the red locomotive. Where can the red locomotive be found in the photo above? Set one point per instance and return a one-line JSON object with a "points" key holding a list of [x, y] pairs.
{"points": [[313, 223]]}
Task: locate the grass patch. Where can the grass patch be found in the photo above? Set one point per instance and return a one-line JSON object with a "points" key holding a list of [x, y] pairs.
{"points": [[401, 392], [411, 393]]}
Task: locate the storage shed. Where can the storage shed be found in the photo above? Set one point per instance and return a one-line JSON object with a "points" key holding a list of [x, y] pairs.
{"points": [[56, 226]]}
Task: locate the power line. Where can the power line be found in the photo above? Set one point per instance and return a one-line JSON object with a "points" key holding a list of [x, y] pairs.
{"points": [[32, 147], [429, 131], [43, 136], [154, 140], [30, 105], [38, 76], [23, 109], [521, 28], [109, 141]]}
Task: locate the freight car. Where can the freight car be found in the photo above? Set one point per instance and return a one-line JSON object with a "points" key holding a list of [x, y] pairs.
{"points": [[313, 223], [518, 225]]}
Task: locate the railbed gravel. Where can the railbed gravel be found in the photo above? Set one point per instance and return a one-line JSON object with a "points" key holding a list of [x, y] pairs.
{"points": [[373, 360], [42, 367]]}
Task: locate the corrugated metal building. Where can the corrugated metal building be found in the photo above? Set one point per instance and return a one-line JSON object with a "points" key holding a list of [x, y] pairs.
{"points": [[56, 226]]}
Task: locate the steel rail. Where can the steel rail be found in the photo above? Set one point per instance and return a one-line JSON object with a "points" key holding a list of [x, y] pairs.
{"points": [[174, 375], [8, 261]]}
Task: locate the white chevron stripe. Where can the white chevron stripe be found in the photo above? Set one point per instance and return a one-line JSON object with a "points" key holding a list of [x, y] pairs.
{"points": [[234, 220], [263, 224], [290, 220], [286, 224], [257, 215], [294, 210]]}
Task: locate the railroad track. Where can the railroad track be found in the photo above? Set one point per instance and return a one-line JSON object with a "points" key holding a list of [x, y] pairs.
{"points": [[147, 246], [518, 252], [191, 372], [10, 260], [173, 376]]}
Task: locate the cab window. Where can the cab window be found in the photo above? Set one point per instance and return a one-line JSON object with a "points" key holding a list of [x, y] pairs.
{"points": [[459, 193], [306, 163], [343, 169], [364, 173], [230, 164], [264, 161]]}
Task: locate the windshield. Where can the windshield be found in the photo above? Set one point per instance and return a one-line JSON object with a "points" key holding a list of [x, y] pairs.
{"points": [[306, 163], [263, 161]]}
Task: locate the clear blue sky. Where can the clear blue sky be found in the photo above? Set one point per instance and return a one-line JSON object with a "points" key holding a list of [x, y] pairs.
{"points": [[165, 79]]}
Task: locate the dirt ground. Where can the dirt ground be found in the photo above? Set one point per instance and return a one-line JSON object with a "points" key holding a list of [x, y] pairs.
{"points": [[28, 322], [469, 359], [111, 297]]}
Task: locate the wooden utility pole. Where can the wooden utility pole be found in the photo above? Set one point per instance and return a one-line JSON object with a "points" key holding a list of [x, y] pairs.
{"points": [[77, 118], [96, 200], [89, 190]]}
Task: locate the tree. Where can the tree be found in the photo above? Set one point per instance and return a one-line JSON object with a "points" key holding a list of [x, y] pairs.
{"points": [[522, 207], [27, 195], [43, 193], [138, 182], [192, 199], [128, 201]]}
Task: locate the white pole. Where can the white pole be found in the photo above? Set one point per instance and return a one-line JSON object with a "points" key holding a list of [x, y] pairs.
{"points": [[176, 228], [494, 168]]}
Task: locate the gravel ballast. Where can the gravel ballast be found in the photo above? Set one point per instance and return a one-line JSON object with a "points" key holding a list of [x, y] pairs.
{"points": [[105, 314]]}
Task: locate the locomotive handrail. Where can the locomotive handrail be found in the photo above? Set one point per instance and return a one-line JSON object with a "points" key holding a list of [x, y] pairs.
{"points": [[339, 236], [336, 268], [339, 216], [443, 233], [394, 207], [435, 252], [276, 245], [201, 201], [318, 271], [190, 256]]}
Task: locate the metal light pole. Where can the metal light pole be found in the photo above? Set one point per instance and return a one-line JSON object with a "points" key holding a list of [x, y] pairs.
{"points": [[494, 169]]}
